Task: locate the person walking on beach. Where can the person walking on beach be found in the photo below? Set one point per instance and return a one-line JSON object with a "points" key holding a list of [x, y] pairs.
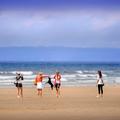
{"points": [[39, 84], [100, 84], [57, 83], [18, 84]]}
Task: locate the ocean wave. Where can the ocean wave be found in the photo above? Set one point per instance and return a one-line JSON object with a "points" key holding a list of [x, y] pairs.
{"points": [[79, 71], [87, 81], [69, 75], [4, 72], [30, 77], [14, 72], [104, 75], [14, 77], [90, 71], [6, 81], [6, 77], [22, 72], [81, 75], [64, 79]]}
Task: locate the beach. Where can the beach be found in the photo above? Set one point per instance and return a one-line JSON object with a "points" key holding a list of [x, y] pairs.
{"points": [[75, 103]]}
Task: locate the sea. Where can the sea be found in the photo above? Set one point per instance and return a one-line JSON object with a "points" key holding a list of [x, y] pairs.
{"points": [[73, 73]]}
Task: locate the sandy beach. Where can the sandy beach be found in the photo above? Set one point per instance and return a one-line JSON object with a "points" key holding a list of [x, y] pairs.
{"points": [[75, 103]]}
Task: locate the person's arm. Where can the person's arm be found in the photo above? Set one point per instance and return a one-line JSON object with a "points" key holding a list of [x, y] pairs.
{"points": [[44, 76], [36, 79], [54, 79], [22, 78], [60, 76], [97, 79], [17, 78]]}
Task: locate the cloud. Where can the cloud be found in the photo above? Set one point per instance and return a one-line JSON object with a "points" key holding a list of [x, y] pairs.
{"points": [[73, 28]]}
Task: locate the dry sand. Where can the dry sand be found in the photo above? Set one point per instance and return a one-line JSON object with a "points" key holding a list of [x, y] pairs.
{"points": [[75, 103]]}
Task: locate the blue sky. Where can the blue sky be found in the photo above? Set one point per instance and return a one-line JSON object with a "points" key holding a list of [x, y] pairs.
{"points": [[60, 23]]}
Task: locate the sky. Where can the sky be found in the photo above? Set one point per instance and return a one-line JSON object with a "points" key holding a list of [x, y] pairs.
{"points": [[60, 23]]}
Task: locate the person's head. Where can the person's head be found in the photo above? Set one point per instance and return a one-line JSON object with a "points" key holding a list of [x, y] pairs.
{"points": [[100, 73], [21, 74], [18, 74], [40, 73], [57, 73]]}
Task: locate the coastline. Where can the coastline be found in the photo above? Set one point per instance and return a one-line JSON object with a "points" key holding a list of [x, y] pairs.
{"points": [[74, 103]]}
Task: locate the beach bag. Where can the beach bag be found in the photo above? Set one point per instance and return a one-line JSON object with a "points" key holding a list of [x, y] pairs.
{"points": [[16, 83]]}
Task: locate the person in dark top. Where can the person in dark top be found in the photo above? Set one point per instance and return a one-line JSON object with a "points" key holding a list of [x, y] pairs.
{"points": [[18, 84], [50, 83]]}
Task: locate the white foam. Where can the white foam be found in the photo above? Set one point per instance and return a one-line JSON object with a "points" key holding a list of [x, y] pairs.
{"points": [[90, 75], [108, 71], [64, 79], [116, 80], [79, 71], [81, 75], [4, 72], [6, 81], [6, 77], [22, 72], [104, 75], [69, 76], [90, 71], [29, 77]]}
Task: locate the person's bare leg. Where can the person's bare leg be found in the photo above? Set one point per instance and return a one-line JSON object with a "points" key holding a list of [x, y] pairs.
{"points": [[21, 92], [18, 92], [38, 92], [57, 92], [41, 92]]}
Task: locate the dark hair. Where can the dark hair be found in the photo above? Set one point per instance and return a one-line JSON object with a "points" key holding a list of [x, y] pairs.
{"points": [[100, 73]]}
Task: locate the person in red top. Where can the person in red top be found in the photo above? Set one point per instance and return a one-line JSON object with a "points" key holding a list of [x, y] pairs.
{"points": [[57, 83], [38, 82]]}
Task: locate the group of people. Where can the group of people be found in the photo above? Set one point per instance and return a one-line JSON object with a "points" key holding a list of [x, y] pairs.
{"points": [[38, 82], [57, 82]]}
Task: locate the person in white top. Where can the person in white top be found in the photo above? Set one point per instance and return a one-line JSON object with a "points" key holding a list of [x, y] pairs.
{"points": [[100, 84], [57, 83]]}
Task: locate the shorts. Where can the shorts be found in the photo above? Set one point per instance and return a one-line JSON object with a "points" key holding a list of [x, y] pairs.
{"points": [[57, 85], [18, 85], [39, 85]]}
